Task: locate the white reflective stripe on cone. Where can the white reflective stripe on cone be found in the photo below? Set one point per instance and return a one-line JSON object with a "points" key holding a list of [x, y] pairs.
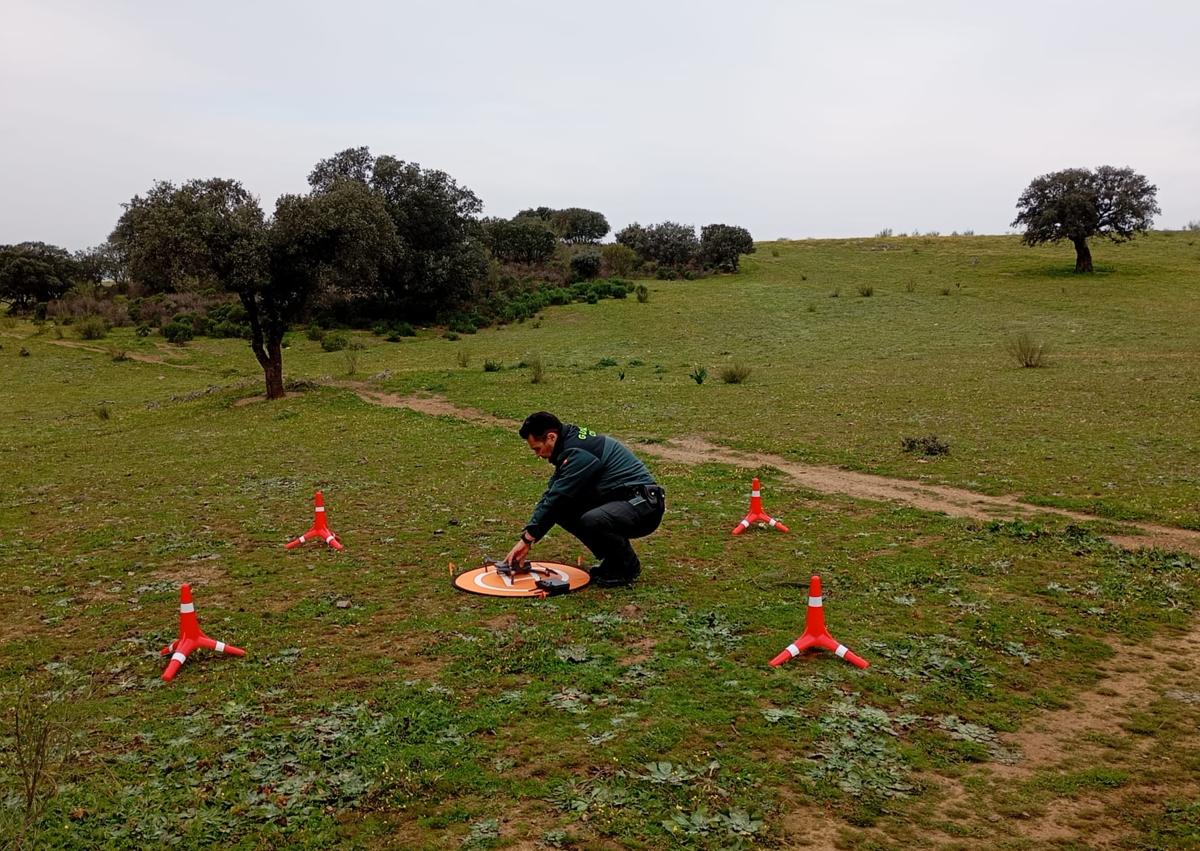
{"points": [[755, 493], [187, 608], [302, 539], [842, 650], [178, 657], [814, 601], [771, 521], [793, 649], [220, 647], [330, 539], [745, 523], [320, 508]]}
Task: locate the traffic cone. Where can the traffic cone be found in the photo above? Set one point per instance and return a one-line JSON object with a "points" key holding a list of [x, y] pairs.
{"points": [[320, 529], [757, 515], [815, 633], [191, 637]]}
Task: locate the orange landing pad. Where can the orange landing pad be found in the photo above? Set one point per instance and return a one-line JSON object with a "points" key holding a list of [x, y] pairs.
{"points": [[485, 580]]}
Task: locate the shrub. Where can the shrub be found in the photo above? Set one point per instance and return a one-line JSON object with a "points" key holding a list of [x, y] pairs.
{"points": [[103, 412], [463, 325], [666, 273], [606, 362], [227, 328], [885, 233], [315, 333], [643, 293], [92, 328], [910, 287], [335, 341], [405, 329], [585, 266], [118, 355], [735, 373], [866, 290], [537, 371], [490, 365], [462, 358], [698, 374], [177, 332], [24, 352], [944, 291], [930, 444], [1027, 351], [450, 335], [617, 259], [351, 354]]}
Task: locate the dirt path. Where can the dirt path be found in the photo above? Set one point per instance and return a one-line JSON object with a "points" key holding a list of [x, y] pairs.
{"points": [[157, 360], [955, 502]]}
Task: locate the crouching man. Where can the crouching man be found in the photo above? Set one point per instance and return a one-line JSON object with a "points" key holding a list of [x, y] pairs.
{"points": [[599, 492]]}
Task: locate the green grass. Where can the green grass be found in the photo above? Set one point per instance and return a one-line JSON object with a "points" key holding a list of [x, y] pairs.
{"points": [[420, 717]]}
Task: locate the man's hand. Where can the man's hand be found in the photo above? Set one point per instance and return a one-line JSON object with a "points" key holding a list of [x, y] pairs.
{"points": [[516, 556]]}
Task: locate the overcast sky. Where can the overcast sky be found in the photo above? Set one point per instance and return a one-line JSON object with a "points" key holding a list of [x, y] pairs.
{"points": [[793, 119]]}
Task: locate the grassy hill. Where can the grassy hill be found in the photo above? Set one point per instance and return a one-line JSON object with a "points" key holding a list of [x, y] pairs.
{"points": [[379, 708]]}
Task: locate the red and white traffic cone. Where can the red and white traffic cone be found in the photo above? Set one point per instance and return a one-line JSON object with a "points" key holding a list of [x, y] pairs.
{"points": [[757, 515], [320, 529], [191, 637], [815, 633]]}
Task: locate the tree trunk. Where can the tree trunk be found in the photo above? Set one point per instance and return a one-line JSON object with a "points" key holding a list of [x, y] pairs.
{"points": [[267, 345], [1083, 256], [273, 370]]}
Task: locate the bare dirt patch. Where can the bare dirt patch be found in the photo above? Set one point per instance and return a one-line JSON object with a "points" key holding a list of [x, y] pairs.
{"points": [[955, 502], [250, 400]]}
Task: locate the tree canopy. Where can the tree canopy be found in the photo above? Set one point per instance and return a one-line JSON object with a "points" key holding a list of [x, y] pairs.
{"points": [[1077, 203], [439, 258], [573, 225], [339, 237], [35, 272], [721, 246]]}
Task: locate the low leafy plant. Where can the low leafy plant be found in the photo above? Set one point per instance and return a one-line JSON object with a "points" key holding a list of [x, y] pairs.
{"points": [[866, 290], [735, 373], [103, 412], [315, 333], [490, 365], [1027, 351], [178, 332], [698, 374], [335, 341], [930, 445], [462, 358], [537, 371], [643, 293], [91, 328]]}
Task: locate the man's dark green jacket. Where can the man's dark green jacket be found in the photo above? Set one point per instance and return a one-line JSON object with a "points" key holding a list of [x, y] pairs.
{"points": [[587, 467]]}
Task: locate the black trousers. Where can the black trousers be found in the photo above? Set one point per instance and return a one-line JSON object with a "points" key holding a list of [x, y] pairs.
{"points": [[605, 527]]}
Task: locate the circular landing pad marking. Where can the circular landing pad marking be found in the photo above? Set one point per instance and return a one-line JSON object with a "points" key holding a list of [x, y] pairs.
{"points": [[485, 580]]}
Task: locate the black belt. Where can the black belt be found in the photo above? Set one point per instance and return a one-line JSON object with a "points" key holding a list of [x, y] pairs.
{"points": [[651, 492]]}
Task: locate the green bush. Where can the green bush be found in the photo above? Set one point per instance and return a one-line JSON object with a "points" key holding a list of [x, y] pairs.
{"points": [[144, 330], [585, 266], [404, 329], [91, 328], [490, 365], [643, 293], [463, 325], [177, 332], [698, 374], [335, 341], [315, 333]]}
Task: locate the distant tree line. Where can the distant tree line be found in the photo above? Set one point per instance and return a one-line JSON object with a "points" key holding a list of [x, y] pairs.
{"points": [[375, 239]]}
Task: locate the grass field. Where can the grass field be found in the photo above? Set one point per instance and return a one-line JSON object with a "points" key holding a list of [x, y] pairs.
{"points": [[1031, 683]]}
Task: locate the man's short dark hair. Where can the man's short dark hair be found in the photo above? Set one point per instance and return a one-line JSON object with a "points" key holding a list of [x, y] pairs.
{"points": [[539, 424]]}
